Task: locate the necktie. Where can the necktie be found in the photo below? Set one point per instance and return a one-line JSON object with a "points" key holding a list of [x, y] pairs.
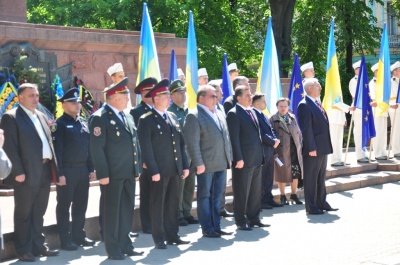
{"points": [[123, 118], [321, 108], [252, 117], [166, 119]]}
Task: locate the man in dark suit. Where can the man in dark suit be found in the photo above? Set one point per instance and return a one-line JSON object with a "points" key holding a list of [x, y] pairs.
{"points": [[165, 158], [314, 125], [143, 107], [247, 161], [30, 149], [270, 142], [116, 156], [208, 144], [231, 101]]}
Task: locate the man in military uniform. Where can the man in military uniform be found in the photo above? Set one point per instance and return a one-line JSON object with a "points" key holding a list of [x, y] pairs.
{"points": [[165, 158], [71, 145], [361, 153], [186, 188], [116, 156], [380, 141], [395, 146], [143, 107]]}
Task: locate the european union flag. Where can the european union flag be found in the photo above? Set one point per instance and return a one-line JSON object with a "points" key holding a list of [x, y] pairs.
{"points": [[226, 81], [296, 91], [362, 100], [173, 68]]}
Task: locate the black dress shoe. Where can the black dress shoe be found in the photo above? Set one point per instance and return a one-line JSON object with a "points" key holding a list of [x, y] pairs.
{"points": [[191, 220], [131, 253], [266, 206], [48, 253], [182, 222], [244, 227], [117, 257], [315, 212], [27, 257], [275, 204], [259, 224], [160, 245], [70, 246], [225, 213], [86, 243], [331, 209], [178, 242], [212, 234], [223, 233], [131, 234]]}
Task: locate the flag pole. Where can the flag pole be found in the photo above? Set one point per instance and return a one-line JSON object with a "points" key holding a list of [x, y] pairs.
{"points": [[348, 138], [391, 134]]}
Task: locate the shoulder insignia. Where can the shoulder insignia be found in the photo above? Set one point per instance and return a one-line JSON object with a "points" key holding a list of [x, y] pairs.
{"points": [[97, 131], [146, 114], [53, 127]]}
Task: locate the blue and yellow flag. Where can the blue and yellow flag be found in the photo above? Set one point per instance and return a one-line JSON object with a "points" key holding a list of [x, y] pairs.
{"points": [[296, 91], [173, 67], [333, 89], [226, 80], [191, 65], [382, 92], [59, 93], [8, 97], [362, 100], [268, 81]]}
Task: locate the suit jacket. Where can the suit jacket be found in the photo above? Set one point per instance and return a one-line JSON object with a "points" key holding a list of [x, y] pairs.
{"points": [[245, 138], [268, 134], [114, 147], [24, 147], [206, 143], [229, 103], [138, 111], [164, 145], [314, 127], [5, 165]]}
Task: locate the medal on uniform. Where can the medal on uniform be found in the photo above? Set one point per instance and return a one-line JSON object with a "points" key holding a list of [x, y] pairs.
{"points": [[112, 122], [118, 133]]}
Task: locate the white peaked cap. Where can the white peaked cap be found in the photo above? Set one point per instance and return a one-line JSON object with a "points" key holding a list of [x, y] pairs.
{"points": [[117, 67], [180, 72], [357, 65], [374, 67], [232, 67], [201, 72], [215, 82], [394, 66], [306, 66]]}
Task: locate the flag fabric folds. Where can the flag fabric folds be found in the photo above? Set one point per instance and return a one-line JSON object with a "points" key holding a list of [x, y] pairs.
{"points": [[383, 83], [8, 97], [333, 89], [173, 67], [362, 100], [89, 105], [268, 81], [191, 65], [226, 80], [296, 91], [59, 93]]}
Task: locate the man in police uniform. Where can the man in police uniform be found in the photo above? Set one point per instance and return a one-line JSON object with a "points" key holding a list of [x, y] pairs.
{"points": [[380, 141], [71, 145], [143, 107], [361, 153], [395, 147], [165, 158], [186, 188], [116, 156]]}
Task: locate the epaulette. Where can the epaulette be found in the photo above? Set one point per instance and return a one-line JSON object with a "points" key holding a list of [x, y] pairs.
{"points": [[146, 114]]}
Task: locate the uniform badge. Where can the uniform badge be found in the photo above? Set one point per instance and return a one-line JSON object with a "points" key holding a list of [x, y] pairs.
{"points": [[112, 122], [118, 133], [158, 126], [53, 127], [97, 131]]}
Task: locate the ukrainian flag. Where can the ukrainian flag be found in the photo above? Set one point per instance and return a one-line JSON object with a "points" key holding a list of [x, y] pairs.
{"points": [[59, 93], [148, 58], [333, 89], [268, 81], [383, 84], [191, 65]]}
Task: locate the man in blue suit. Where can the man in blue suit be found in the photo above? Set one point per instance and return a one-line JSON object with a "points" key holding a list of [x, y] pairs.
{"points": [[314, 125]]}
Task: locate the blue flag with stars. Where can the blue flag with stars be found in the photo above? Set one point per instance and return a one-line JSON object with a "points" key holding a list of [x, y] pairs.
{"points": [[296, 92], [362, 100]]}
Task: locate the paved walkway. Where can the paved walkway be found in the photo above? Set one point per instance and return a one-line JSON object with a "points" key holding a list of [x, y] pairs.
{"points": [[365, 230]]}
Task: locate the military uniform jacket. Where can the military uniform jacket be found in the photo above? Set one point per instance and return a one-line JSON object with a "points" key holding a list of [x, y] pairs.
{"points": [[114, 147], [163, 145], [179, 112], [138, 111], [71, 143]]}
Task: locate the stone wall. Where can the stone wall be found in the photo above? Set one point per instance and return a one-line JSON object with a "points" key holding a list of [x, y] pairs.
{"points": [[13, 10]]}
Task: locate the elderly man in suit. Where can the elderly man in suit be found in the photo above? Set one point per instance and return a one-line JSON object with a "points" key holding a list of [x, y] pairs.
{"points": [[165, 158], [30, 149], [248, 158], [116, 156], [208, 144], [314, 125]]}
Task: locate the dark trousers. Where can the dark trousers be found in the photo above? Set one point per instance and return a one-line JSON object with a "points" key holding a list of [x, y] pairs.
{"points": [[314, 182], [30, 207], [222, 199], [119, 202], [246, 184], [76, 192], [186, 192], [101, 210], [163, 207], [145, 184], [267, 180]]}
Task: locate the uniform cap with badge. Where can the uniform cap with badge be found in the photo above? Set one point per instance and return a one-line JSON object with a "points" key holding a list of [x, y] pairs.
{"points": [[160, 88], [146, 84], [117, 67], [120, 88], [176, 86], [394, 66], [307, 66], [357, 65], [72, 95], [202, 72]]}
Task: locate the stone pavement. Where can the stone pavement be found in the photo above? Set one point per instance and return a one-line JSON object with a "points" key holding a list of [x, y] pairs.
{"points": [[365, 230]]}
